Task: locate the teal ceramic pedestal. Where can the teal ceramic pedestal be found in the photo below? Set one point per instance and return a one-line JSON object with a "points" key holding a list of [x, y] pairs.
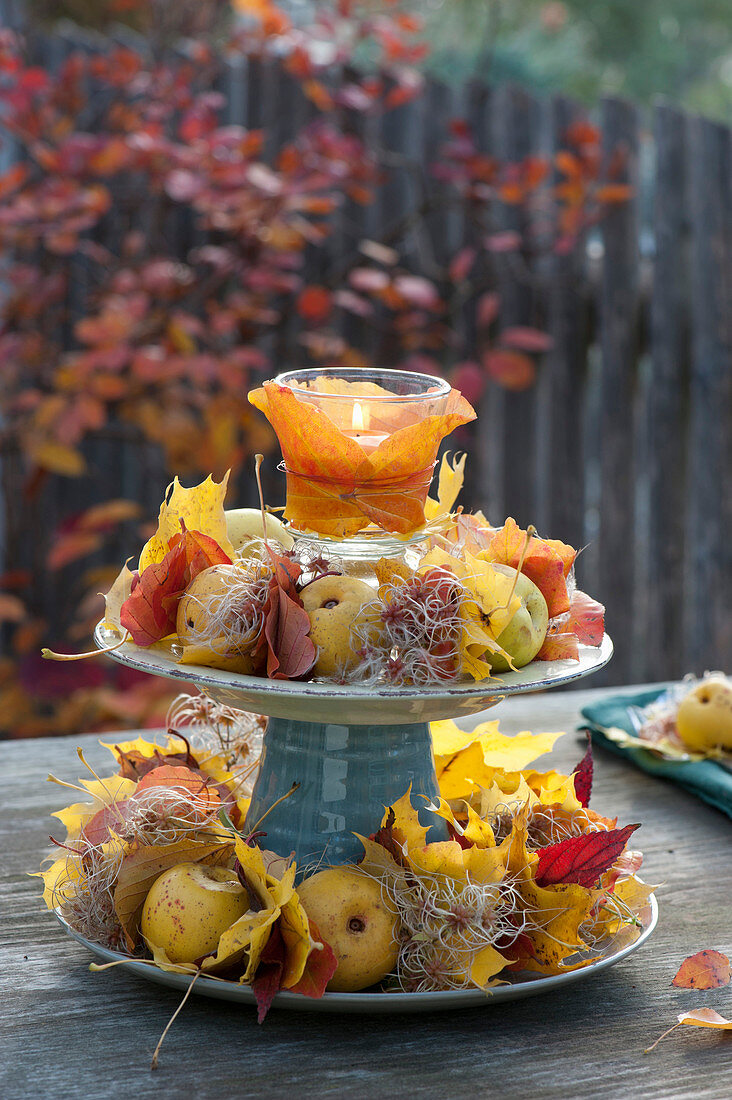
{"points": [[347, 774]]}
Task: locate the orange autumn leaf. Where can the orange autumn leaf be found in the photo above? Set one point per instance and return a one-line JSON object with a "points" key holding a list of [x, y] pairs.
{"points": [[543, 563], [334, 486], [705, 970], [559, 647]]}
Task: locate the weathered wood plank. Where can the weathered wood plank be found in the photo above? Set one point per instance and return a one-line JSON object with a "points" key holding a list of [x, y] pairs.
{"points": [[618, 321], [561, 383], [708, 604], [666, 407], [515, 125]]}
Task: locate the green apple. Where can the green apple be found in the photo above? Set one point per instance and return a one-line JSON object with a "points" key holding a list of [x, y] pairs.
{"points": [[350, 914], [244, 525], [704, 718], [524, 635], [189, 906], [200, 628], [333, 605]]}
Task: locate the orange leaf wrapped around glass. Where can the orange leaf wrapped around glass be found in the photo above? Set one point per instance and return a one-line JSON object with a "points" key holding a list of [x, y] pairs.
{"points": [[359, 445]]}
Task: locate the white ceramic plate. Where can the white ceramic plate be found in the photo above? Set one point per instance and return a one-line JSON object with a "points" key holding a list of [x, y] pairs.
{"points": [[326, 702], [524, 984]]}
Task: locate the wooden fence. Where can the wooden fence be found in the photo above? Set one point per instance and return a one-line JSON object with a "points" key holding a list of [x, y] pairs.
{"points": [[623, 446]]}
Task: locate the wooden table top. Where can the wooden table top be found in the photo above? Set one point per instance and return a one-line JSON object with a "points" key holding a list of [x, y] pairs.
{"points": [[66, 1032]]}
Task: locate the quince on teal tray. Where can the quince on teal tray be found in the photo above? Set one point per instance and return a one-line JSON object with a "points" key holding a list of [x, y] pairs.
{"points": [[611, 723]]}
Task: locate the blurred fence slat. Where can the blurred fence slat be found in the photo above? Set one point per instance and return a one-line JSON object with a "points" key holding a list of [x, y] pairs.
{"points": [[625, 442], [707, 627]]}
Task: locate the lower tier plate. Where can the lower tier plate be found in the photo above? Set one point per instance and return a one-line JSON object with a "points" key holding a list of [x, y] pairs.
{"points": [[524, 984]]}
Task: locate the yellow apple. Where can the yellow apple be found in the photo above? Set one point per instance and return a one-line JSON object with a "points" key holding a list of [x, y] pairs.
{"points": [[189, 906], [524, 635], [348, 908], [199, 630], [244, 525], [333, 605], [704, 718]]}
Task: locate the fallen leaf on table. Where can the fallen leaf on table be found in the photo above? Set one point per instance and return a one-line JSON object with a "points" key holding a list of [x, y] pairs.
{"points": [[696, 1017], [705, 970]]}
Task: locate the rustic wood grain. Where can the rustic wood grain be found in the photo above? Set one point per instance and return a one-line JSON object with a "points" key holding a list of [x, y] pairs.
{"points": [[618, 305], [67, 1033], [708, 512], [667, 401]]}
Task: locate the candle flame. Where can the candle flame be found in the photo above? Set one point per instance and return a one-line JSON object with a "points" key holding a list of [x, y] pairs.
{"points": [[358, 421]]}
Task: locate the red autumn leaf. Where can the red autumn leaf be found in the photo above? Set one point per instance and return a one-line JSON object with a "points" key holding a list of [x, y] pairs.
{"points": [[487, 309], [461, 264], [508, 241], [583, 776], [705, 970], [586, 618], [291, 652], [286, 635], [149, 612], [523, 338], [559, 647], [581, 859], [614, 192], [470, 380], [112, 817], [266, 982], [314, 303], [511, 369], [133, 765], [320, 967], [169, 775]]}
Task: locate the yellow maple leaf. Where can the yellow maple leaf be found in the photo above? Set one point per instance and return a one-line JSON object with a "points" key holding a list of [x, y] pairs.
{"points": [[200, 507], [104, 792], [449, 483]]}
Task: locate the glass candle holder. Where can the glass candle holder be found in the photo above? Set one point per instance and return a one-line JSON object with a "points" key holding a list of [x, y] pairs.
{"points": [[359, 445]]}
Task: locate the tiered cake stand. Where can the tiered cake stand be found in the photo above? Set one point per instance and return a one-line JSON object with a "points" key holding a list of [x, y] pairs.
{"points": [[354, 751], [351, 750]]}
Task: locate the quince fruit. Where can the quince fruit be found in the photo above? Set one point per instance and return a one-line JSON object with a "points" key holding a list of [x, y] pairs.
{"points": [[200, 631], [244, 525], [347, 906], [524, 635], [189, 906], [704, 718], [334, 605]]}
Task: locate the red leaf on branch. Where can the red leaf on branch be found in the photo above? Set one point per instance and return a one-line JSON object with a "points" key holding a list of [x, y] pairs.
{"points": [[523, 338], [320, 967], [586, 618], [583, 775], [581, 859], [511, 369], [266, 982], [149, 612], [705, 970]]}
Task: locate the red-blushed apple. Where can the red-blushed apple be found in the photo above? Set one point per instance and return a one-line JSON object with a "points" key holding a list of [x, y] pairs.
{"points": [[189, 906]]}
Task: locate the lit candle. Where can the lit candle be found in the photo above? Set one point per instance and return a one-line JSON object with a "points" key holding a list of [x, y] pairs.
{"points": [[360, 431]]}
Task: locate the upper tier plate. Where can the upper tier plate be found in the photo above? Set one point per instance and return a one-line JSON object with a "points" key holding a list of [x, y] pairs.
{"points": [[350, 704]]}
